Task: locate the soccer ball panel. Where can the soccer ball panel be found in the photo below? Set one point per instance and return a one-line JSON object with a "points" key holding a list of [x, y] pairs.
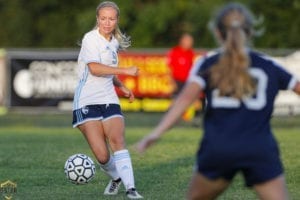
{"points": [[82, 156], [82, 180], [78, 161], [79, 170], [88, 173], [69, 166], [87, 163], [72, 176]]}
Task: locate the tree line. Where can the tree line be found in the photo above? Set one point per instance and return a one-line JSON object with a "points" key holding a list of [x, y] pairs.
{"points": [[150, 23]]}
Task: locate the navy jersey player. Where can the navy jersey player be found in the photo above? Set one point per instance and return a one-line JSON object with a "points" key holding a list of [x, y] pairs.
{"points": [[240, 86], [96, 109]]}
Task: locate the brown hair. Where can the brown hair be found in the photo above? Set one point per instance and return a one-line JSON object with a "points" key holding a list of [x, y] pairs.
{"points": [[230, 75], [124, 40]]}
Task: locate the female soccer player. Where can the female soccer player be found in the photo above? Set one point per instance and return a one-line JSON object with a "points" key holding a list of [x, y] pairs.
{"points": [[240, 85], [96, 109]]}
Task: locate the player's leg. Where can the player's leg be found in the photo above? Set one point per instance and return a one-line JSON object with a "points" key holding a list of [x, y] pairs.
{"points": [[114, 131], [205, 189], [274, 189], [94, 134]]}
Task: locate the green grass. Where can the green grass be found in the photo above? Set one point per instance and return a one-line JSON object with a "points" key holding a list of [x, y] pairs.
{"points": [[33, 151]]}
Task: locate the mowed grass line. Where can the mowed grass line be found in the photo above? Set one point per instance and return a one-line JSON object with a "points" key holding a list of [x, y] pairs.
{"points": [[33, 157]]}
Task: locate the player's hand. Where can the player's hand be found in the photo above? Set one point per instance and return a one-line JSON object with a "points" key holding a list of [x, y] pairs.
{"points": [[132, 71], [146, 142], [127, 93]]}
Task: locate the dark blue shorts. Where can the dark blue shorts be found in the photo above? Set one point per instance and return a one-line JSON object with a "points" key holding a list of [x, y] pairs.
{"points": [[257, 167], [96, 112]]}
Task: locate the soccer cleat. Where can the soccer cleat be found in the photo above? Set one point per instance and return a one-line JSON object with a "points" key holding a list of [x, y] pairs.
{"points": [[133, 194], [113, 187]]}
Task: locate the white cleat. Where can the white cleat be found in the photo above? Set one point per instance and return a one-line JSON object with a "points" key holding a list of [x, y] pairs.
{"points": [[113, 187], [133, 194]]}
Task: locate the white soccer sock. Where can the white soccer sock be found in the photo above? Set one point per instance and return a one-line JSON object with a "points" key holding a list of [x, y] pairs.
{"points": [[124, 168], [110, 168]]}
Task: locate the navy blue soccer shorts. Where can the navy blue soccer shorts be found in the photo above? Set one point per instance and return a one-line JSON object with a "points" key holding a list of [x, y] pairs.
{"points": [[256, 169], [96, 112]]}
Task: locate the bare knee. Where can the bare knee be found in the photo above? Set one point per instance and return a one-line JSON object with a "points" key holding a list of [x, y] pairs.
{"points": [[274, 189], [117, 142], [114, 131], [197, 196], [201, 194], [102, 157], [204, 188]]}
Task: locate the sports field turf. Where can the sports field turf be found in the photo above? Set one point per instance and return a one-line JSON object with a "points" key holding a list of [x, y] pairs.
{"points": [[33, 150]]}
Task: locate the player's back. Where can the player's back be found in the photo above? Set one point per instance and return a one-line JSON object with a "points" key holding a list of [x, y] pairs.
{"points": [[243, 123]]}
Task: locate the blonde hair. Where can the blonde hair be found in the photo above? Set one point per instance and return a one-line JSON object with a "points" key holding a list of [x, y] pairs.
{"points": [[124, 40], [230, 74]]}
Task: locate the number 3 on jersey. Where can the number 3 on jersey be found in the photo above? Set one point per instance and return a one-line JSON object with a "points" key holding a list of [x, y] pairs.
{"points": [[256, 102]]}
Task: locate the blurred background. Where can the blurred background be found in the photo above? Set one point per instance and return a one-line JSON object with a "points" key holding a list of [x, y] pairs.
{"points": [[40, 40], [151, 23], [39, 45]]}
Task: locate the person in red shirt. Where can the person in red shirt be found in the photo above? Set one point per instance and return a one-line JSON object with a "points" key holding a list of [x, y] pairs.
{"points": [[180, 60]]}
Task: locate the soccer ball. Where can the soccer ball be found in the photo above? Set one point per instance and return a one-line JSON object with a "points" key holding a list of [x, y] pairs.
{"points": [[79, 169]]}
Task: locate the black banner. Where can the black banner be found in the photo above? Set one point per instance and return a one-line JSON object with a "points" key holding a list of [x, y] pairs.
{"points": [[42, 79]]}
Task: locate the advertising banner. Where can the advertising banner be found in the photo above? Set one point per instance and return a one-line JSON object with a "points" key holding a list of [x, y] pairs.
{"points": [[41, 79], [153, 87], [49, 79]]}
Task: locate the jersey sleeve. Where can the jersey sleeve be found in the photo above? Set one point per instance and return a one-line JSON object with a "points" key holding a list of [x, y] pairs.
{"points": [[286, 81], [90, 52], [195, 72]]}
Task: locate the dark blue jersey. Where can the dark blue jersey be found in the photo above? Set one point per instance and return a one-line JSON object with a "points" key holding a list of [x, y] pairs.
{"points": [[237, 126]]}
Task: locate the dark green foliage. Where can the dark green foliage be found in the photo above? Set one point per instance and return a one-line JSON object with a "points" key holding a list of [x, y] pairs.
{"points": [[151, 23]]}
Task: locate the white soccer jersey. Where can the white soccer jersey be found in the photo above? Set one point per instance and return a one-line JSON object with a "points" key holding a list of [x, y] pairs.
{"points": [[92, 89]]}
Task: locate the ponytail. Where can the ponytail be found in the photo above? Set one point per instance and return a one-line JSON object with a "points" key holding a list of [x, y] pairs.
{"points": [[124, 40], [230, 74]]}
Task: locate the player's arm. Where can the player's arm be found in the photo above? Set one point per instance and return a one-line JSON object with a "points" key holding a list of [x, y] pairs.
{"points": [[186, 97], [98, 69], [90, 56], [117, 82], [128, 93], [297, 87]]}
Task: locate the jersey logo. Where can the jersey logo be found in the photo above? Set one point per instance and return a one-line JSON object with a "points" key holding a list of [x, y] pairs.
{"points": [[112, 55], [256, 102], [115, 58]]}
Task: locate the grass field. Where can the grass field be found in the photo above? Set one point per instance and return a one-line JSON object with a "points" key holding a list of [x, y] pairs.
{"points": [[33, 150]]}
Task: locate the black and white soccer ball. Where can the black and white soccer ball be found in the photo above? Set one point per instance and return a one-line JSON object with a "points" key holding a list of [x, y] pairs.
{"points": [[79, 169]]}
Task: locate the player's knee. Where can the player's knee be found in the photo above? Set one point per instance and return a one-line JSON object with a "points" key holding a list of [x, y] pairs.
{"points": [[117, 143], [198, 197], [102, 160], [102, 157]]}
